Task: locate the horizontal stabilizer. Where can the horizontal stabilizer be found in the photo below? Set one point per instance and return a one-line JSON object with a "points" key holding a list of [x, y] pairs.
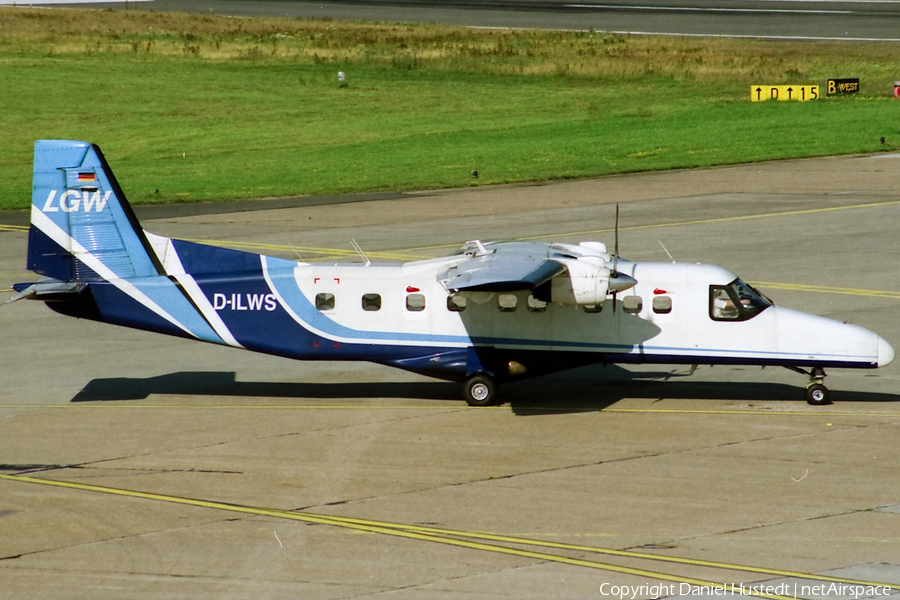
{"points": [[47, 291]]}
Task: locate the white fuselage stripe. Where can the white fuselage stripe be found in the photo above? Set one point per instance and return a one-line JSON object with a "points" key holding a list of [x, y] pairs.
{"points": [[206, 309], [362, 338], [172, 264]]}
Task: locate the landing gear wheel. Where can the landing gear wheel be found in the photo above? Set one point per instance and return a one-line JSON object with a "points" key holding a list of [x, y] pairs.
{"points": [[817, 395], [480, 390], [816, 392]]}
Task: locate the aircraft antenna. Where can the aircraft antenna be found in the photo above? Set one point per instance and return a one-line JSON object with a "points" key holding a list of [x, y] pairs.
{"points": [[664, 248], [360, 252], [300, 256]]}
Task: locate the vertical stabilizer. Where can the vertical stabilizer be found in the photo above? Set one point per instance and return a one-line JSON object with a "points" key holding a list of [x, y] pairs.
{"points": [[101, 264], [82, 228]]}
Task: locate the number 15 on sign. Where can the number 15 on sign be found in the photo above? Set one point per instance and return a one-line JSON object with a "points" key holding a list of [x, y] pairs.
{"points": [[799, 93]]}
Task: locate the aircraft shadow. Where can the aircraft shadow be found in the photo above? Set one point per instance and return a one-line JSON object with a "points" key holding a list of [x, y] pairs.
{"points": [[602, 387], [587, 389], [221, 383]]}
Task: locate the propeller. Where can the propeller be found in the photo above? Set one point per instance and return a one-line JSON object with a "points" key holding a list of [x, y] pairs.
{"points": [[615, 270], [618, 282]]}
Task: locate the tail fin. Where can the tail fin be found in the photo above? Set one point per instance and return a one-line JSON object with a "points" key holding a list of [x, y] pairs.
{"points": [[82, 227], [100, 263]]}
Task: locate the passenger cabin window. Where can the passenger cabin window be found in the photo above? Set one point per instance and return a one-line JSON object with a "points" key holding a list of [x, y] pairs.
{"points": [[325, 301], [535, 305], [507, 302], [371, 302], [662, 304], [736, 301], [456, 303], [632, 304], [415, 302]]}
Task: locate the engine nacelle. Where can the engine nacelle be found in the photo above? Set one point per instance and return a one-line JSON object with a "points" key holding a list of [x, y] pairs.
{"points": [[585, 282]]}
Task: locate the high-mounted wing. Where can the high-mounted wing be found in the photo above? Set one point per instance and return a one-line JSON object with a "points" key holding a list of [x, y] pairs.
{"points": [[503, 273], [574, 274], [503, 267]]}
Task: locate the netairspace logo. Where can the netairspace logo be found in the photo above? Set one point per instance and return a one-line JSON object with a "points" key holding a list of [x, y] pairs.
{"points": [[787, 590]]}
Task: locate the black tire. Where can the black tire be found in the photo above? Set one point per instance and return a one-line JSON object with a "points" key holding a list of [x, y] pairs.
{"points": [[818, 395], [480, 390]]}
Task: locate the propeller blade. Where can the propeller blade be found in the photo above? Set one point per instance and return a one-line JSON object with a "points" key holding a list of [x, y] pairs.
{"points": [[614, 279], [615, 270]]}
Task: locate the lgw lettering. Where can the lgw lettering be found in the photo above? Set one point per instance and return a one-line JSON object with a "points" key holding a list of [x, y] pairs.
{"points": [[244, 302], [76, 200]]}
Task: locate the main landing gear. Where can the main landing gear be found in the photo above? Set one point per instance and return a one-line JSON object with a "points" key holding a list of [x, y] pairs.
{"points": [[481, 390], [816, 392]]}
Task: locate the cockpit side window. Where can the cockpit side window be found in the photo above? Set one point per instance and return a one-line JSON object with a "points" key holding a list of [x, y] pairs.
{"points": [[736, 301]]}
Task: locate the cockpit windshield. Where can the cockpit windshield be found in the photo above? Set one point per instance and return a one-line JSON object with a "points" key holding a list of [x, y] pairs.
{"points": [[736, 301]]}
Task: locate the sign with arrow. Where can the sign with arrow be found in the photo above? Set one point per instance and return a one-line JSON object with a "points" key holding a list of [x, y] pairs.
{"points": [[799, 93]]}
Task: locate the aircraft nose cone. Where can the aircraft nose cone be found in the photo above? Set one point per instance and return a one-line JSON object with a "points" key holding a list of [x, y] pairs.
{"points": [[885, 352]]}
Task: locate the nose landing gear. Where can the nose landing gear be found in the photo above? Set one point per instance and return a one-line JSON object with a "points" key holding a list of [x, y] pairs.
{"points": [[816, 392]]}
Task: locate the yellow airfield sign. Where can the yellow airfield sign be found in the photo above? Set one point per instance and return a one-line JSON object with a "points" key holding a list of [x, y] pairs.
{"points": [[799, 93]]}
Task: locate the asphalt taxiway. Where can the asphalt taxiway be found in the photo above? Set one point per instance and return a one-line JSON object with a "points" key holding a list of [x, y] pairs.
{"points": [[848, 20], [134, 465]]}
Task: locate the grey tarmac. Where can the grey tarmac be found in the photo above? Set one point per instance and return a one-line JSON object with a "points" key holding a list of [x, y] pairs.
{"points": [[188, 470], [849, 20]]}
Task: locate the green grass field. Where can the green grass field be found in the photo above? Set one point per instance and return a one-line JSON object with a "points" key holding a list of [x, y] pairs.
{"points": [[190, 108]]}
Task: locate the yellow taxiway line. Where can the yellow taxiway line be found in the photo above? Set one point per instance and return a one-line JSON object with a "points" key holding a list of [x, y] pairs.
{"points": [[821, 289], [335, 252], [787, 213], [452, 537]]}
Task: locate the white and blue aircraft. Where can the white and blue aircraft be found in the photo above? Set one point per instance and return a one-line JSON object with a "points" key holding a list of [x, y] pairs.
{"points": [[490, 313]]}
